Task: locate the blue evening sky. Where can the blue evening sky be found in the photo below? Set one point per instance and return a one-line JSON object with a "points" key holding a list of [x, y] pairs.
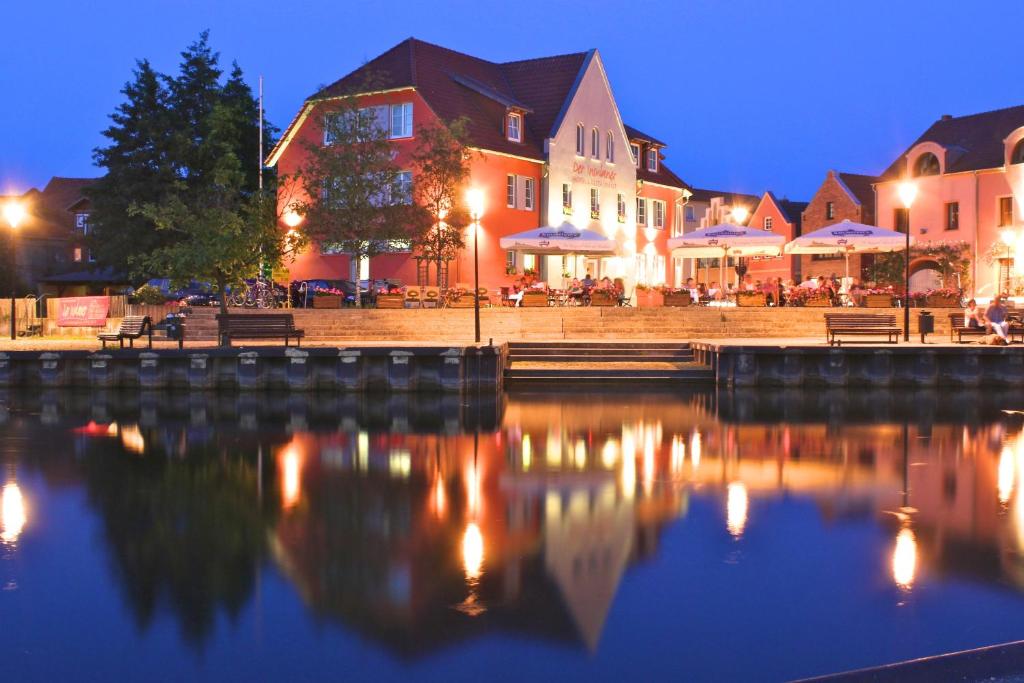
{"points": [[749, 95]]}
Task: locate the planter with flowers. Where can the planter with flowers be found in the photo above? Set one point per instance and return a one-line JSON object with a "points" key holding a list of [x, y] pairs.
{"points": [[649, 297], [936, 298], [325, 297], [677, 297]]}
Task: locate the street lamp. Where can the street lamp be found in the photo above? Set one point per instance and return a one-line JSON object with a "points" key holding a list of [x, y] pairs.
{"points": [[739, 214], [14, 214], [908, 193], [475, 201]]}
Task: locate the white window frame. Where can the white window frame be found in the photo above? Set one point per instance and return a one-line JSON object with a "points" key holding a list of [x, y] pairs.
{"points": [[404, 111], [634, 150], [403, 183], [514, 132], [595, 142], [652, 159], [566, 196], [769, 221], [641, 211], [528, 193], [82, 222], [511, 190], [581, 140], [595, 202], [620, 207], [658, 211], [609, 148]]}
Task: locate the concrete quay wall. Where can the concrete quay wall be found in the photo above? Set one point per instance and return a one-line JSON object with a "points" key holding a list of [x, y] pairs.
{"points": [[749, 366], [367, 369]]}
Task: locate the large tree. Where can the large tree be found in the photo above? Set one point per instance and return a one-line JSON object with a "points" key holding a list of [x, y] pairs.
{"points": [[357, 199], [442, 164]]}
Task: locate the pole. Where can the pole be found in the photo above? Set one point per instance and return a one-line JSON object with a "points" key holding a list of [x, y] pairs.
{"points": [[261, 134], [14, 283], [906, 283], [476, 277]]}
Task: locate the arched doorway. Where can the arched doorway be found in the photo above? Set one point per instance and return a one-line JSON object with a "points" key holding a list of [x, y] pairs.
{"points": [[925, 274]]}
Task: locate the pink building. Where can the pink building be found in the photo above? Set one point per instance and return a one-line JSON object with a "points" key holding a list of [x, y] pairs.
{"points": [[969, 174]]}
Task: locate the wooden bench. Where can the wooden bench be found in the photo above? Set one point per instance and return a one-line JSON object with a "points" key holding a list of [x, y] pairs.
{"points": [[959, 330], [258, 326], [132, 327], [860, 324]]}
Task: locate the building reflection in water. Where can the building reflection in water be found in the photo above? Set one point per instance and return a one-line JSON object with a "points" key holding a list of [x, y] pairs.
{"points": [[387, 521]]}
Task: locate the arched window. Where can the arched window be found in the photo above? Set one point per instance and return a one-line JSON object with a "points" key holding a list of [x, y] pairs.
{"points": [[595, 143], [580, 139], [1017, 157], [609, 148], [927, 164]]}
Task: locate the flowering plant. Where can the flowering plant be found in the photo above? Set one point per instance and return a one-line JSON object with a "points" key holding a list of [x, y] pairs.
{"points": [[510, 270], [920, 298], [327, 291]]}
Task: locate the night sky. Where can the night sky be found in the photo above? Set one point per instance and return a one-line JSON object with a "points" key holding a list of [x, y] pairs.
{"points": [[749, 95]]}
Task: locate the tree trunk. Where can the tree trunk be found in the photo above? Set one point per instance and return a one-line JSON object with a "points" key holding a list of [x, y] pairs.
{"points": [[353, 273], [439, 271]]}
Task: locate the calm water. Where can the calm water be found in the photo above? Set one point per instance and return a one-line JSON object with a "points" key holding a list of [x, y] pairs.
{"points": [[573, 536]]}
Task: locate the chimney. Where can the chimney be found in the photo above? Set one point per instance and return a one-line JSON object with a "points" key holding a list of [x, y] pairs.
{"points": [[947, 117]]}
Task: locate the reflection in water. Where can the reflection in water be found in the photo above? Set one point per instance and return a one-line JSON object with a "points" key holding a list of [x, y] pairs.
{"points": [[13, 514], [904, 559], [418, 527]]}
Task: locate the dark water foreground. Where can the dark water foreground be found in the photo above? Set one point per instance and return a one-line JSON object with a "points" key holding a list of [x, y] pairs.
{"points": [[541, 536]]}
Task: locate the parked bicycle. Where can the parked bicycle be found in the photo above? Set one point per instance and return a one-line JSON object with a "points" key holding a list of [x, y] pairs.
{"points": [[256, 293]]}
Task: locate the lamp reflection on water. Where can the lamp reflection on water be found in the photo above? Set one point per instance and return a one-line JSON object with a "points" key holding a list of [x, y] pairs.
{"points": [[736, 506], [291, 477], [472, 551], [1005, 475], [904, 559], [695, 449], [13, 513]]}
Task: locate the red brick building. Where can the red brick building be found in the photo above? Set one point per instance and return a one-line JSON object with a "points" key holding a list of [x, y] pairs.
{"points": [[551, 149], [783, 217], [842, 196]]}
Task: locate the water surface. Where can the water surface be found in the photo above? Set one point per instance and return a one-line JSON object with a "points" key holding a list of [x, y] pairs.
{"points": [[549, 536]]}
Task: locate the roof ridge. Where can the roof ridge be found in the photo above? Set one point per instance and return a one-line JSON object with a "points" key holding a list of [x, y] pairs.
{"points": [[978, 113], [537, 59], [448, 49]]}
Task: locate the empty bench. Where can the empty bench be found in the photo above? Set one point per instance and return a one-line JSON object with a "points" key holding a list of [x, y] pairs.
{"points": [[132, 327], [258, 326], [863, 324]]}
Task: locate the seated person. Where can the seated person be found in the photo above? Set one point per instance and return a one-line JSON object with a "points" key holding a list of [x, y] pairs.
{"points": [[715, 292], [996, 316], [974, 317], [589, 282], [702, 294], [606, 283], [692, 289], [747, 284], [810, 283]]}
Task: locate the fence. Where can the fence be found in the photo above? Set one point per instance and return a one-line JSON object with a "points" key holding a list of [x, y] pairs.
{"points": [[25, 315]]}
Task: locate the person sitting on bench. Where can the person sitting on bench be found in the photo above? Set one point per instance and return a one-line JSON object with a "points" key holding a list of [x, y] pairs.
{"points": [[996, 316], [974, 317]]}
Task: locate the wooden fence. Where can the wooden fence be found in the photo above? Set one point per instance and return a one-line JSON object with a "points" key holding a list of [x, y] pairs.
{"points": [[25, 315]]}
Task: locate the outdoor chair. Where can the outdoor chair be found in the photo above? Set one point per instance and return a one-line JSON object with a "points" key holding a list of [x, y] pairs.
{"points": [[485, 297], [431, 297], [413, 296]]}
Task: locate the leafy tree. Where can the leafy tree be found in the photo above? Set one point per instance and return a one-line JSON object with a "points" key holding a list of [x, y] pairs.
{"points": [[442, 165], [356, 200]]}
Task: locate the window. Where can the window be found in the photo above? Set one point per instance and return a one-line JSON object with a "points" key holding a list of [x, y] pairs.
{"points": [[78, 254], [652, 160], [768, 220], [659, 214], [514, 128], [691, 214], [82, 223], [641, 211], [952, 215], [566, 198], [620, 207], [609, 148], [901, 220], [595, 203], [510, 262], [331, 124], [528, 194], [830, 211], [401, 120], [510, 191], [580, 140], [402, 192], [1017, 157], [1005, 211], [595, 143], [926, 164], [634, 149]]}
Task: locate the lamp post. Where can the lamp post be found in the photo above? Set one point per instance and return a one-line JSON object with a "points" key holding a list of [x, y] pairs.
{"points": [[14, 213], [908, 193], [475, 201]]}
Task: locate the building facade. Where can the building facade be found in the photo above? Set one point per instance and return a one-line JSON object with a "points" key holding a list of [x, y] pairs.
{"points": [[782, 217], [841, 196], [550, 149], [969, 175]]}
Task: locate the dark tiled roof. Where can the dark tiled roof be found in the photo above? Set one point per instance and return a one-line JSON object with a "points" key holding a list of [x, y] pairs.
{"points": [[455, 84], [634, 134], [976, 140], [702, 195], [664, 176], [793, 211], [862, 186]]}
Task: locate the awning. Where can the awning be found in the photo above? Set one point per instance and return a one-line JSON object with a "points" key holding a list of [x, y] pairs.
{"points": [[565, 239], [727, 240], [848, 237]]}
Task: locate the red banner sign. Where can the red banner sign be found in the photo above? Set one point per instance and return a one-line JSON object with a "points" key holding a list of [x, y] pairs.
{"points": [[83, 311]]}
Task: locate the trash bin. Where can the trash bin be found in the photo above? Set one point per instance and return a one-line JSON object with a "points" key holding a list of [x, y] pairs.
{"points": [[175, 328], [925, 324]]}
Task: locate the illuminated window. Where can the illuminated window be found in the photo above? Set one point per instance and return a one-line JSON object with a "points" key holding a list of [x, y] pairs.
{"points": [[580, 140], [621, 207], [566, 196], [528, 194], [78, 254], [927, 164], [515, 123], [641, 211], [595, 202], [609, 148], [1005, 211], [768, 220]]}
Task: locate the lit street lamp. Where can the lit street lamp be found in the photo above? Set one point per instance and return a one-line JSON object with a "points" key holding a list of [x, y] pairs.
{"points": [[14, 213], [475, 200], [908, 193]]}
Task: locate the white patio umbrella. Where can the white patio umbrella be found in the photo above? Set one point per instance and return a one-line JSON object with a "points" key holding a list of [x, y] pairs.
{"points": [[847, 237], [565, 239], [725, 240]]}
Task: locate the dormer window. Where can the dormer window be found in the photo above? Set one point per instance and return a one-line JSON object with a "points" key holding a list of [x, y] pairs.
{"points": [[634, 149], [580, 140], [652, 160], [595, 143], [514, 127], [1017, 157], [609, 148], [927, 164]]}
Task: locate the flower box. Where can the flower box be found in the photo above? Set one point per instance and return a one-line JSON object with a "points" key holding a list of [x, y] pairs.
{"points": [[942, 301], [327, 301], [677, 299], [878, 300], [818, 302], [751, 299], [649, 298]]}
